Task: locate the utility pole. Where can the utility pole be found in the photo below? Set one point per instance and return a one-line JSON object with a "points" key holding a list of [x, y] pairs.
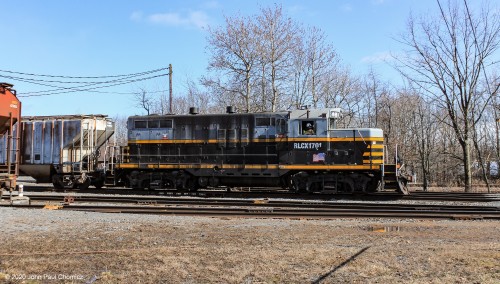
{"points": [[170, 87]]}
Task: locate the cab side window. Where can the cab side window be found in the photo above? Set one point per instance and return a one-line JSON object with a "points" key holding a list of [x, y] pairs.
{"points": [[308, 127]]}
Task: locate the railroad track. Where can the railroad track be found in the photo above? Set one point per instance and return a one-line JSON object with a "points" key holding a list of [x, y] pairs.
{"points": [[416, 195], [258, 208]]}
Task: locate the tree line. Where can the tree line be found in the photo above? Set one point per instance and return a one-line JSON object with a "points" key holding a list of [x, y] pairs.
{"points": [[444, 120]]}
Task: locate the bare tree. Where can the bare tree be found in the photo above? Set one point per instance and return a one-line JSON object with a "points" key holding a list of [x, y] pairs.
{"points": [[424, 128], [322, 60], [301, 75], [277, 40], [315, 69], [198, 98], [120, 135], [144, 100], [233, 54], [446, 58], [340, 88], [373, 89]]}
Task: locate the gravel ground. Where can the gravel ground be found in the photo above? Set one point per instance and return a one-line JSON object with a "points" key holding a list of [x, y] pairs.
{"points": [[51, 246]]}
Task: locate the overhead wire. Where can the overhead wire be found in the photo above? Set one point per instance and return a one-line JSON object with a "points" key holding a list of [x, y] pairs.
{"points": [[84, 88], [87, 86], [82, 77]]}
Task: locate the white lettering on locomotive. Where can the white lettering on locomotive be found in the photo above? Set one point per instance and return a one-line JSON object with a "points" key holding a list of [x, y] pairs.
{"points": [[307, 146]]}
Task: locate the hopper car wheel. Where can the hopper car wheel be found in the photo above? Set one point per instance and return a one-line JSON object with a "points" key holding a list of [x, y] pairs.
{"points": [[84, 185], [99, 184], [57, 182]]}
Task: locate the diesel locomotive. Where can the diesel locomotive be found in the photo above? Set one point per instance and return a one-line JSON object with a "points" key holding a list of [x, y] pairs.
{"points": [[299, 150]]}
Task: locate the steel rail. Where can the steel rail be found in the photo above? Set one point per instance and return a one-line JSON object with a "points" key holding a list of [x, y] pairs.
{"points": [[248, 202], [261, 193], [277, 212]]}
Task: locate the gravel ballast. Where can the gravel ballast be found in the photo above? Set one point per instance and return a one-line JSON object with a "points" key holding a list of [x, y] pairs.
{"points": [[55, 246]]}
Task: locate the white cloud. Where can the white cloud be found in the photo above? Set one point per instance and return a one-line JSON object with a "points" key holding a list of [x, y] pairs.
{"points": [[346, 8], [197, 19], [377, 57], [296, 9], [136, 16], [193, 19], [211, 5], [169, 19]]}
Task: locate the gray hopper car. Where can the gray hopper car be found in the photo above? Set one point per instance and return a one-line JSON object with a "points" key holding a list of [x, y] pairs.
{"points": [[65, 150]]}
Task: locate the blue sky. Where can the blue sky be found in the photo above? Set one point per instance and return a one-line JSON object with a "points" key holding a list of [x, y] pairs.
{"points": [[98, 38]]}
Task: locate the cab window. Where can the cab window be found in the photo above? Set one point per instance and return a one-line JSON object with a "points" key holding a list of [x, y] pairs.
{"points": [[138, 124], [308, 127], [166, 123], [264, 121], [154, 124]]}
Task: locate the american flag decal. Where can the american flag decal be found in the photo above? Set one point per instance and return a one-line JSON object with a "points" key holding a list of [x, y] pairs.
{"points": [[320, 157]]}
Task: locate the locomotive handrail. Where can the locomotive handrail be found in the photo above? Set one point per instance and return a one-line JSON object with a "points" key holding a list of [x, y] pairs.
{"points": [[361, 135]]}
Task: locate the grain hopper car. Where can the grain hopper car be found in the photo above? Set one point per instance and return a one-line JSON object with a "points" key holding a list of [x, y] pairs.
{"points": [[65, 150]]}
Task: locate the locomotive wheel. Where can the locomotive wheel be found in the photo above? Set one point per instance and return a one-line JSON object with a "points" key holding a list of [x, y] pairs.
{"points": [[348, 185], [203, 182], [373, 186], [299, 182], [287, 183], [315, 187], [145, 184], [192, 184]]}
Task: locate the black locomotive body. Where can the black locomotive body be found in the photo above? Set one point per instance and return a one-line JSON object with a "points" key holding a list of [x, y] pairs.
{"points": [[301, 150]]}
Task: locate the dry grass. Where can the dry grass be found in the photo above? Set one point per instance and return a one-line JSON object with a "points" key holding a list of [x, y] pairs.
{"points": [[212, 250]]}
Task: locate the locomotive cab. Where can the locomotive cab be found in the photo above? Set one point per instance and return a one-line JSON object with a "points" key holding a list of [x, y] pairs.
{"points": [[321, 157]]}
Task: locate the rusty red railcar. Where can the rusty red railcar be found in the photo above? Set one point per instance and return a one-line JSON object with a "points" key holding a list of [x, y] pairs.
{"points": [[10, 115]]}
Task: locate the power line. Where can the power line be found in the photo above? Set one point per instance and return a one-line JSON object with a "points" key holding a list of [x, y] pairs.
{"points": [[58, 88], [83, 77], [78, 82], [78, 89], [62, 87]]}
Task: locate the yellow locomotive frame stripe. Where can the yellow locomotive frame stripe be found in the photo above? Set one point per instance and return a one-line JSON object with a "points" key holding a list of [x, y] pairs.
{"points": [[373, 161], [198, 166], [373, 154], [367, 166], [376, 146], [259, 140]]}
